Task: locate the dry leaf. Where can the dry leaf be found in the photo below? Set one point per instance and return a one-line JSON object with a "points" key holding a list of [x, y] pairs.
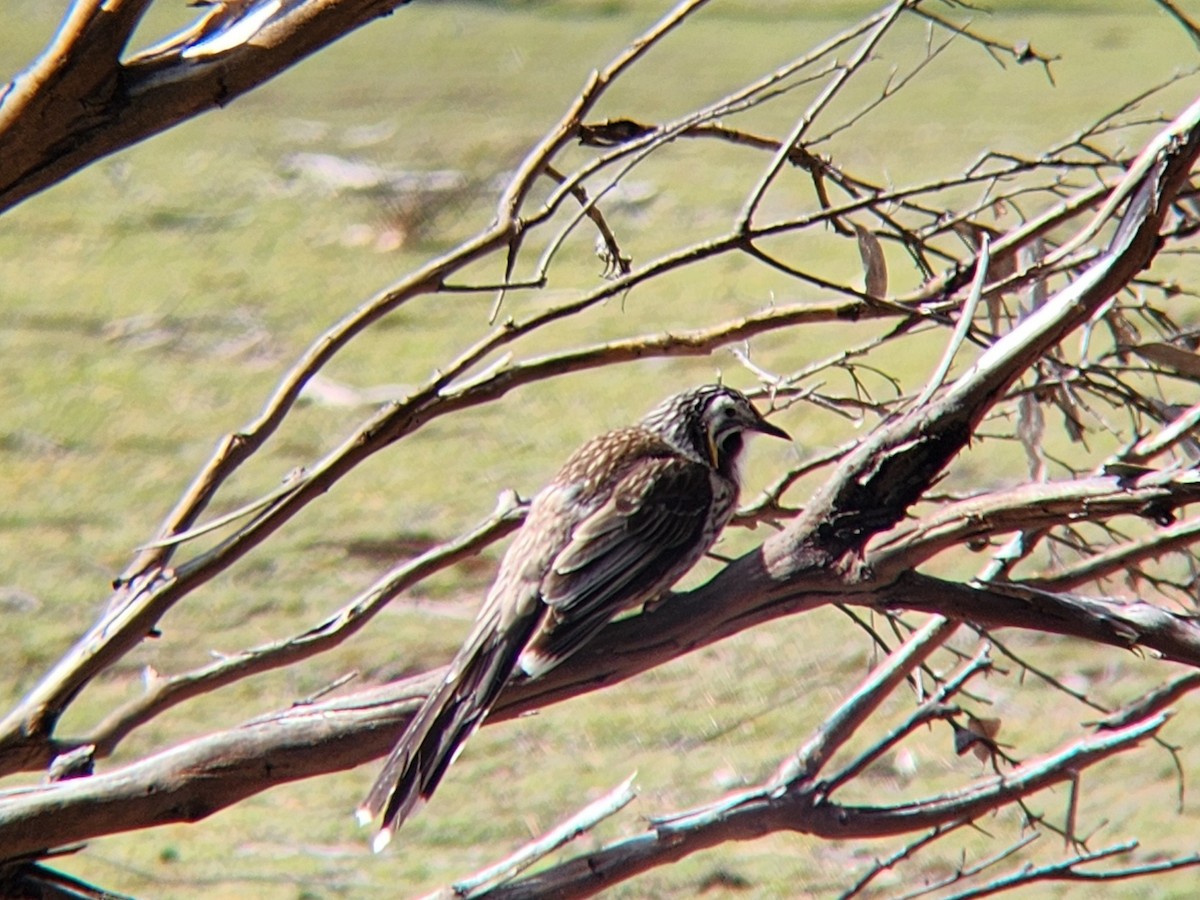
{"points": [[1037, 293], [978, 736], [871, 251], [1072, 422], [1185, 362]]}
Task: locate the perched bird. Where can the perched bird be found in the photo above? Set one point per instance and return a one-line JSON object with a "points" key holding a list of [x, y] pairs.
{"points": [[628, 514]]}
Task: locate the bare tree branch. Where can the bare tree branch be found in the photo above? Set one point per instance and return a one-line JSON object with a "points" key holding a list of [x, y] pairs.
{"points": [[1027, 272], [80, 102], [806, 810], [479, 884]]}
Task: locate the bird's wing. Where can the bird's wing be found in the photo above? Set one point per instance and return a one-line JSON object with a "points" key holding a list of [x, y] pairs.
{"points": [[644, 537]]}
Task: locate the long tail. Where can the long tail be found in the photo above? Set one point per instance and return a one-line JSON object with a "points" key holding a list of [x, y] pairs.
{"points": [[449, 716]]}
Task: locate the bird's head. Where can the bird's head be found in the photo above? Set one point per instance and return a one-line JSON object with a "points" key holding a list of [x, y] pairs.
{"points": [[709, 423]]}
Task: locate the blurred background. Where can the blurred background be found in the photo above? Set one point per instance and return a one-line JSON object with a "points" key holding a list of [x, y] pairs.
{"points": [[149, 304]]}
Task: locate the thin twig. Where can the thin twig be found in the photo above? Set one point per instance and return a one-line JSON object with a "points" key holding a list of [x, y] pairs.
{"points": [[479, 884], [965, 320]]}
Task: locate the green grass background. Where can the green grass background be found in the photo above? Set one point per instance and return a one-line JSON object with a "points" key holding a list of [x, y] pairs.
{"points": [[149, 305]]}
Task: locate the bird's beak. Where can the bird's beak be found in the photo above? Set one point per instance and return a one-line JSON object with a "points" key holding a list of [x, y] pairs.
{"points": [[762, 426]]}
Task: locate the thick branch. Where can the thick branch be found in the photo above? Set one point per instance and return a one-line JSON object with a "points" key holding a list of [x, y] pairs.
{"points": [[197, 778], [77, 103], [1031, 506], [1131, 624]]}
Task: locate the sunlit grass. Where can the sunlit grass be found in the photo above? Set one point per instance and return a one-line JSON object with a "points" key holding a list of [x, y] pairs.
{"points": [[149, 305]]}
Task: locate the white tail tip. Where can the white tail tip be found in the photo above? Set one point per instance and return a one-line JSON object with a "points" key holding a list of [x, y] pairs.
{"points": [[534, 664], [363, 817], [381, 840]]}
